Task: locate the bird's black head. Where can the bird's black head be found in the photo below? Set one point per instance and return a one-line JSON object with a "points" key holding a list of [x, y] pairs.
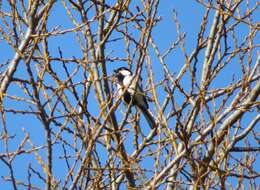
{"points": [[123, 70], [121, 73]]}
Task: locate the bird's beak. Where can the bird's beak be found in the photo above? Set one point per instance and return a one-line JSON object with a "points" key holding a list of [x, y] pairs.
{"points": [[115, 73]]}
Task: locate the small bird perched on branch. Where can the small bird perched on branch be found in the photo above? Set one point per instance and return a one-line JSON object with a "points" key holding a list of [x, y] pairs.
{"points": [[126, 84]]}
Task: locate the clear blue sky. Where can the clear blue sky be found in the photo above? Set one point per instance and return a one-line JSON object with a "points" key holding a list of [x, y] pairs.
{"points": [[189, 14]]}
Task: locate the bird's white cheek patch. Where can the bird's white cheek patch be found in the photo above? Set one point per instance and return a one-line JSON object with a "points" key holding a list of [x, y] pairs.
{"points": [[125, 72]]}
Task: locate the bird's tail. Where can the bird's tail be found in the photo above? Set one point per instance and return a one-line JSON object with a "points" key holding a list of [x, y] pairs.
{"points": [[148, 116]]}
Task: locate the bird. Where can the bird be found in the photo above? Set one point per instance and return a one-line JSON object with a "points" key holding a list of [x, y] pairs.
{"points": [[132, 94]]}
